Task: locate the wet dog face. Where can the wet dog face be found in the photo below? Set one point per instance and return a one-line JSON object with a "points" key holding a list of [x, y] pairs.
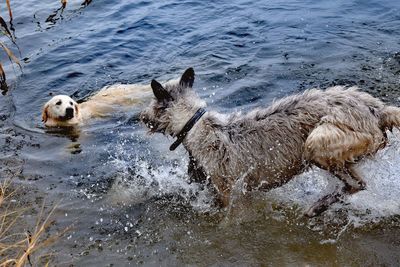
{"points": [[61, 110], [173, 104]]}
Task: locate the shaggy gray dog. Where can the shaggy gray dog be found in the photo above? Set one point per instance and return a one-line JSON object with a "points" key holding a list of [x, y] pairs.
{"points": [[266, 147]]}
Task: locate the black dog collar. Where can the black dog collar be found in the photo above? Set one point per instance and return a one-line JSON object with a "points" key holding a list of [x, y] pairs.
{"points": [[188, 126]]}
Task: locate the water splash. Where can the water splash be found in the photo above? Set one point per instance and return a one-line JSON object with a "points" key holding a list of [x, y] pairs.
{"points": [[139, 179]]}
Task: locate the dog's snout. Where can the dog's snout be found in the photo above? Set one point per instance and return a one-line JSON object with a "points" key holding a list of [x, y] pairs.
{"points": [[69, 112], [144, 119]]}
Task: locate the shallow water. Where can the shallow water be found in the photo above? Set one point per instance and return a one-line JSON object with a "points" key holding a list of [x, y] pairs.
{"points": [[127, 195]]}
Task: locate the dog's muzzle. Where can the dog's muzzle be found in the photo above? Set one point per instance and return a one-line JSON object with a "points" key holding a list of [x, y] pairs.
{"points": [[149, 123], [69, 113]]}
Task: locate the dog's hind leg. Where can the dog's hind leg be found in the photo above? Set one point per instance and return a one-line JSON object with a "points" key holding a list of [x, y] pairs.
{"points": [[333, 146], [352, 184], [351, 179], [323, 203]]}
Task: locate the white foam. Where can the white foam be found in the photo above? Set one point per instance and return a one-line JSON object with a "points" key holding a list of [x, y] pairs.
{"points": [[137, 180]]}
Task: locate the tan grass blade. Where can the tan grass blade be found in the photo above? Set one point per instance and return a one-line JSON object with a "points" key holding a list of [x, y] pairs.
{"points": [[11, 55], [9, 9], [34, 242], [64, 3], [22, 245]]}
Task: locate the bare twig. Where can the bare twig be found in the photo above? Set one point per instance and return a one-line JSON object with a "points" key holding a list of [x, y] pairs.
{"points": [[11, 55], [64, 3], [21, 246], [9, 9]]}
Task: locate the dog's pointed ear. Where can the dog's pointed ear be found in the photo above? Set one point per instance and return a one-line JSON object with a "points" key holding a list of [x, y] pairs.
{"points": [[187, 78], [160, 92], [45, 114]]}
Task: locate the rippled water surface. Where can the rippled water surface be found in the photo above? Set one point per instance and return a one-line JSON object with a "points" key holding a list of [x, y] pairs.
{"points": [[127, 196]]}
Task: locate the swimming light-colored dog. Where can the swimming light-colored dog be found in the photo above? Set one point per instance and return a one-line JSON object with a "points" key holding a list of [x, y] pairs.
{"points": [[63, 111], [266, 147]]}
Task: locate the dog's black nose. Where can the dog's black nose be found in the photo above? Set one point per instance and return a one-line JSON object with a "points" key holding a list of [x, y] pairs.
{"points": [[69, 113]]}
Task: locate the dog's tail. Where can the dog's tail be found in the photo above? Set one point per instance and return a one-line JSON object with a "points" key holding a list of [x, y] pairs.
{"points": [[390, 118]]}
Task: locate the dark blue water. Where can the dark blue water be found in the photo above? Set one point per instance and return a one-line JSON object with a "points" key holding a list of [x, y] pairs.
{"points": [[125, 193]]}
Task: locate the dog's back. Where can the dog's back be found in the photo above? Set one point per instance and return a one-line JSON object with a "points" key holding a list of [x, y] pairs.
{"points": [[114, 98], [326, 128]]}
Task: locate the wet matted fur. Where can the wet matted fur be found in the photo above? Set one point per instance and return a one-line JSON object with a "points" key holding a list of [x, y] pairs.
{"points": [[331, 129]]}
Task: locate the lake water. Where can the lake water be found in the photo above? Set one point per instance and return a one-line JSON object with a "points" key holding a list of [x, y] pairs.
{"points": [[126, 195]]}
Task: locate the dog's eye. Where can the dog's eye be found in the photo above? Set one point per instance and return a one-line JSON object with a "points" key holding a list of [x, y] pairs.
{"points": [[59, 103], [70, 103]]}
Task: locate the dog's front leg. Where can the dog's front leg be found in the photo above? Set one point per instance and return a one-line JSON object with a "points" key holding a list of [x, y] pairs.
{"points": [[222, 200], [195, 171], [223, 192]]}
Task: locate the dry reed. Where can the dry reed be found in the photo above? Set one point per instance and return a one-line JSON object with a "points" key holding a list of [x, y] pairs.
{"points": [[10, 54], [17, 248]]}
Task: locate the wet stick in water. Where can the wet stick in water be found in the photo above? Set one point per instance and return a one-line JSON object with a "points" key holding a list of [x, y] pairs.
{"points": [[3, 82], [10, 54]]}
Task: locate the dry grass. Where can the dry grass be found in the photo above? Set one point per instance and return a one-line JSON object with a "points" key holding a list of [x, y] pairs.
{"points": [[10, 54], [9, 9], [17, 248]]}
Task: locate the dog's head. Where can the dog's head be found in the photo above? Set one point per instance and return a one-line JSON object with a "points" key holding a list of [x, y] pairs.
{"points": [[60, 111], [173, 105]]}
